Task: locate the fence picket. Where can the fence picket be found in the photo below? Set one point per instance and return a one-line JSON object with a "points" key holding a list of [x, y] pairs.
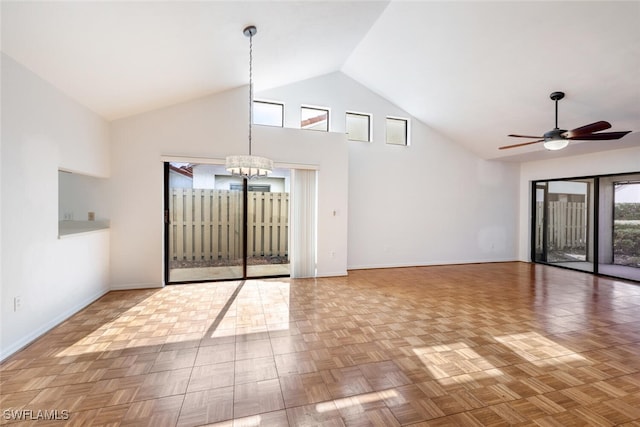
{"points": [[273, 248], [283, 220], [251, 227], [180, 223], [567, 226], [198, 252], [259, 224], [205, 224], [270, 224]]}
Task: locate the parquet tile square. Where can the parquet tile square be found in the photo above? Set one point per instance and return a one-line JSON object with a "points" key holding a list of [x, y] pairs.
{"points": [[325, 414], [102, 417], [472, 345], [343, 382], [416, 411], [257, 397], [295, 363], [302, 389], [253, 349], [379, 417], [384, 375], [216, 353], [207, 406], [206, 377], [252, 370], [165, 383], [174, 359], [154, 413], [285, 344]]}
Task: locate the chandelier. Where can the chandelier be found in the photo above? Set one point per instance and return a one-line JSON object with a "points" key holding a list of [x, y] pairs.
{"points": [[249, 166]]}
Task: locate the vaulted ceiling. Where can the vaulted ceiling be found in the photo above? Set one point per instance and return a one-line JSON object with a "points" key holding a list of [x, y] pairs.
{"points": [[473, 71]]}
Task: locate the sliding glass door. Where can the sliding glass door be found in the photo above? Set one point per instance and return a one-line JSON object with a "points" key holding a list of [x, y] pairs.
{"points": [[267, 230], [619, 224], [221, 227], [626, 224], [589, 224], [564, 223]]}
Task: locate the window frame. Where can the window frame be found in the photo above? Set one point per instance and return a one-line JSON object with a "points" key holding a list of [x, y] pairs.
{"points": [[602, 211], [319, 108], [264, 101], [407, 130], [369, 116]]}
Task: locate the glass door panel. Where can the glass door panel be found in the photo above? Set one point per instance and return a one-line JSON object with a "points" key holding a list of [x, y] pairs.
{"points": [[539, 241], [626, 224], [564, 224], [205, 224], [268, 227], [619, 221]]}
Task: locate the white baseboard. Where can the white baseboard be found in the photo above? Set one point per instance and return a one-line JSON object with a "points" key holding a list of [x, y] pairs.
{"points": [[428, 264], [333, 274], [133, 286]]}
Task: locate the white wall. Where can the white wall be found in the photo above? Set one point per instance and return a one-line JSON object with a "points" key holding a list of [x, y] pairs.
{"points": [[429, 203], [42, 131], [602, 163], [208, 129], [327, 151]]}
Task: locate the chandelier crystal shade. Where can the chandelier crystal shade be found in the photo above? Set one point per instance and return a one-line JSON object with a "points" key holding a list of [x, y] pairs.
{"points": [[249, 166]]}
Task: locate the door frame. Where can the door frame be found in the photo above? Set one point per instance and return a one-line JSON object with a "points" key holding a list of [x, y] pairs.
{"points": [[593, 216], [244, 226]]}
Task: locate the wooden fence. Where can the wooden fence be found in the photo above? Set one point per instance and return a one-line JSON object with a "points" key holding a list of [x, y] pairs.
{"points": [[207, 224], [567, 225]]}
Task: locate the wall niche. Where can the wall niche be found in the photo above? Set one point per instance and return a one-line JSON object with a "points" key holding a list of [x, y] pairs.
{"points": [[82, 203]]}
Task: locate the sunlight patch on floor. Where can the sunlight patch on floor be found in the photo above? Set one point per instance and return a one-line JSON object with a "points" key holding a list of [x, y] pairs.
{"points": [[453, 361], [357, 400], [181, 313], [537, 349]]}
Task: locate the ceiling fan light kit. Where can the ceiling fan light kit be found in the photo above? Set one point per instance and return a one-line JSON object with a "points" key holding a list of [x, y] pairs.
{"points": [[556, 144], [557, 139]]}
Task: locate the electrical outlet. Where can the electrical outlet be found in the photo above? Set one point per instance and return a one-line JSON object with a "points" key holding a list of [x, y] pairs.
{"points": [[17, 303]]}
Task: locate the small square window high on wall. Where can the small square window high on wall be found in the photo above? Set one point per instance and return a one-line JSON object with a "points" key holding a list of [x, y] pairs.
{"points": [[358, 127], [314, 118], [268, 113], [397, 131]]}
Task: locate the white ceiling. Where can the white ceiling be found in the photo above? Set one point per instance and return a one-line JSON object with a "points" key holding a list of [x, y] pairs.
{"points": [[473, 71]]}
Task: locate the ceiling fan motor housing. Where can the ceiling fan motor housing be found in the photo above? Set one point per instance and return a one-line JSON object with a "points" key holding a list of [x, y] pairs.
{"points": [[554, 134]]}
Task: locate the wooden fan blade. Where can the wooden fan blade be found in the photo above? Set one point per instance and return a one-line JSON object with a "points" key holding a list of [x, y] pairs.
{"points": [[587, 129], [525, 136], [519, 145], [601, 136]]}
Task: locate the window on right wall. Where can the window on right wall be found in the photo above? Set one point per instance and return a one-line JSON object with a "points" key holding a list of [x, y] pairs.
{"points": [[397, 131]]}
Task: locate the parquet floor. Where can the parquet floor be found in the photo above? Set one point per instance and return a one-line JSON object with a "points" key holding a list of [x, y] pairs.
{"points": [[484, 344]]}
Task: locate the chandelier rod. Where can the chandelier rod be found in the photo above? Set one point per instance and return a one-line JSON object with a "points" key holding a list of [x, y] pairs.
{"points": [[251, 31], [249, 166]]}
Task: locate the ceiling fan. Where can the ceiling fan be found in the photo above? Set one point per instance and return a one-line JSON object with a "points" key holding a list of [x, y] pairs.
{"points": [[557, 139]]}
